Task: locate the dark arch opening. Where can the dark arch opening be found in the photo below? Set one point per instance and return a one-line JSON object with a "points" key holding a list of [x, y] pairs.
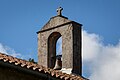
{"points": [[52, 41]]}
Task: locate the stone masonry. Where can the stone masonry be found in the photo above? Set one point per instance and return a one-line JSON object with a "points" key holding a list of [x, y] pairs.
{"points": [[70, 31]]}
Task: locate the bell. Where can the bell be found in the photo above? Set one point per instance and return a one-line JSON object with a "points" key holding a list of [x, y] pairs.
{"points": [[58, 64]]}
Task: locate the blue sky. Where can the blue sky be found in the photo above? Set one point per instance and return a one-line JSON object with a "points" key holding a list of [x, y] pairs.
{"points": [[21, 19]]}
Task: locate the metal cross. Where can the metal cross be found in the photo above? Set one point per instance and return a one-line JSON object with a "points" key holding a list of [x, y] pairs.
{"points": [[59, 11]]}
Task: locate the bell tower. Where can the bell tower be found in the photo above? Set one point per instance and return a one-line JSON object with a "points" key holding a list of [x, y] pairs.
{"points": [[70, 31]]}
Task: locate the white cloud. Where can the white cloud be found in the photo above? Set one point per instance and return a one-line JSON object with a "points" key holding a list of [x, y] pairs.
{"points": [[100, 62], [2, 49], [9, 51], [91, 45]]}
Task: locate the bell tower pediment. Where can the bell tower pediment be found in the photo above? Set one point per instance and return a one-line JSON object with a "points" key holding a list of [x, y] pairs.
{"points": [[55, 22]]}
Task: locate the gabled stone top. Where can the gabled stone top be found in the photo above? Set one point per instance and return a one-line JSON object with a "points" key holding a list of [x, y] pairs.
{"points": [[56, 21]]}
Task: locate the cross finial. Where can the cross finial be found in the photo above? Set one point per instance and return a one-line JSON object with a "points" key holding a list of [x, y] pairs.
{"points": [[59, 11]]}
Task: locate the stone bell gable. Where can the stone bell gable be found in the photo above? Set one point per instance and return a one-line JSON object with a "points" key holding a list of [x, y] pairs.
{"points": [[70, 31], [55, 22]]}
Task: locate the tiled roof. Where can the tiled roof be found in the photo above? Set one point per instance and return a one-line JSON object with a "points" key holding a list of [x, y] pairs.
{"points": [[35, 67]]}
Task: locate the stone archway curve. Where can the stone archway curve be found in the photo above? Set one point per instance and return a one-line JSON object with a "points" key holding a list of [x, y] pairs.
{"points": [[52, 40]]}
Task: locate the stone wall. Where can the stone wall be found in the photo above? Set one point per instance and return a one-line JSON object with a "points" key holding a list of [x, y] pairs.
{"points": [[43, 47], [70, 32]]}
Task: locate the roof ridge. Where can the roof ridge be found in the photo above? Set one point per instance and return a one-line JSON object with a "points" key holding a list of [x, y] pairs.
{"points": [[39, 68]]}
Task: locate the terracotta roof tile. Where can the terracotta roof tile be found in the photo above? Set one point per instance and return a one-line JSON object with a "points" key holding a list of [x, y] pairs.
{"points": [[40, 68]]}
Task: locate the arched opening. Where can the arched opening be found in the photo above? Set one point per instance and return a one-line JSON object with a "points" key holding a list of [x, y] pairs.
{"points": [[53, 51], [58, 64], [59, 46]]}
